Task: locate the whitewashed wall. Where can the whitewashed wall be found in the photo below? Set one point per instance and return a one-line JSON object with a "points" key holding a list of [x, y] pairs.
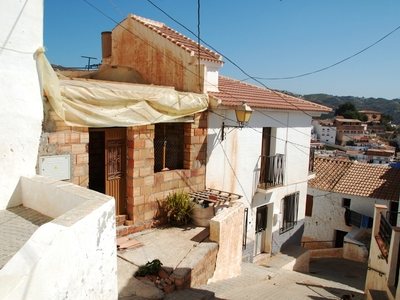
{"points": [[21, 113], [233, 164], [328, 213], [72, 257]]}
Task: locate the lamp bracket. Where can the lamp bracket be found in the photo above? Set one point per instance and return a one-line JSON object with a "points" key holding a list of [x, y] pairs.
{"points": [[228, 126]]}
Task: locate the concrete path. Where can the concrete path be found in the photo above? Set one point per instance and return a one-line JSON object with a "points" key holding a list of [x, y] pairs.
{"points": [[257, 282], [169, 245], [17, 225]]}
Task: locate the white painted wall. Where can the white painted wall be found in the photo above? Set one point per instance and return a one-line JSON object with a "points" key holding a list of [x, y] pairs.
{"points": [[212, 75], [325, 134], [21, 115], [233, 164], [328, 213], [72, 257]]}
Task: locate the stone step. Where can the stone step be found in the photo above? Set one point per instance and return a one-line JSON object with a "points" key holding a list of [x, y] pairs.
{"points": [[128, 227], [377, 295], [120, 219], [193, 294]]}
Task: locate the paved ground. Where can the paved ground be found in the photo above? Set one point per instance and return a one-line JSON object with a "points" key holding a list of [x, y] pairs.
{"points": [[17, 225], [169, 245], [329, 279]]}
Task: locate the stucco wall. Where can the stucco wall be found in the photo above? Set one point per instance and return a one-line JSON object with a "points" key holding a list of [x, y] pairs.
{"points": [[72, 257], [233, 164], [328, 214], [20, 96], [224, 229], [156, 59]]}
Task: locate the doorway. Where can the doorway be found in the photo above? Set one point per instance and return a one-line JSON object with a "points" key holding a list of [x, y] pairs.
{"points": [[107, 164], [261, 226], [339, 238]]}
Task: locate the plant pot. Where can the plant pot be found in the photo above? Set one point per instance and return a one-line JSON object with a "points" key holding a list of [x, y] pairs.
{"points": [[201, 216]]}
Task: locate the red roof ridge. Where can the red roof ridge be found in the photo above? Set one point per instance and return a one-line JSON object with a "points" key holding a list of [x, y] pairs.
{"points": [[282, 96], [155, 25]]}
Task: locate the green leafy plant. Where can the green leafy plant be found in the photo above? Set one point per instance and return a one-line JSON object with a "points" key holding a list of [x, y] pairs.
{"points": [[150, 268], [179, 207]]}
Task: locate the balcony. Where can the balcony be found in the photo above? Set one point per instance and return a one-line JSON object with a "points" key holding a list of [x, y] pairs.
{"points": [[272, 171]]}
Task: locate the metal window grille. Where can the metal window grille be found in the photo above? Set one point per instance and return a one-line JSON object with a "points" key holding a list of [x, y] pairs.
{"points": [[385, 231], [290, 208], [168, 146]]}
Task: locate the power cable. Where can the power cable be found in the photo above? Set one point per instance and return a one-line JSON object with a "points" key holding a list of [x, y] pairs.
{"points": [[233, 96], [119, 24], [330, 66]]}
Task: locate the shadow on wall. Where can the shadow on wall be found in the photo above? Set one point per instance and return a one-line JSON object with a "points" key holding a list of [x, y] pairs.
{"points": [[289, 238]]}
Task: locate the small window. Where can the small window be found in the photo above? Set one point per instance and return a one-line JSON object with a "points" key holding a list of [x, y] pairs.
{"points": [[290, 209], [346, 202], [309, 205], [168, 146]]}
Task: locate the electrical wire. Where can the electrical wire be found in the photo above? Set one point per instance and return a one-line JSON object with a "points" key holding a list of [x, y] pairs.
{"points": [[233, 96], [226, 57], [330, 66]]}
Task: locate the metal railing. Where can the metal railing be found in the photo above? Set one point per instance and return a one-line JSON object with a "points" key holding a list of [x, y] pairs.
{"points": [[272, 170], [245, 220], [385, 231], [311, 161]]}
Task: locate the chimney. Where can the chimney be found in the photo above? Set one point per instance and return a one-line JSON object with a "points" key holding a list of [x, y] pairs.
{"points": [[106, 44]]}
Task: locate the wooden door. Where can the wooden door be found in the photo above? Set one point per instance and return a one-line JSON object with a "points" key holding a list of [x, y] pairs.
{"points": [[115, 167], [261, 226]]}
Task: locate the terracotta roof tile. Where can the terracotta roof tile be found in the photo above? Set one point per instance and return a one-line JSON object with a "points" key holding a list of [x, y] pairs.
{"points": [[233, 92], [353, 178], [179, 39]]}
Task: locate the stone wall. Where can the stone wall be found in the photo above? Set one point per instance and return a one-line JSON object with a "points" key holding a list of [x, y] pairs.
{"points": [[147, 189], [58, 138]]}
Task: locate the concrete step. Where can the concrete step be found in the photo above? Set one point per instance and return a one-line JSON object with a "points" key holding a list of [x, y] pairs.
{"points": [[120, 219], [193, 294], [377, 295]]}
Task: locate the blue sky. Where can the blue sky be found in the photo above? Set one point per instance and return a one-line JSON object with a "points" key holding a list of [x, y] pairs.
{"points": [[267, 38]]}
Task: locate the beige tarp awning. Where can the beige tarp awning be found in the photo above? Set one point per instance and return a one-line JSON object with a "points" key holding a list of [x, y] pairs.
{"points": [[94, 103]]}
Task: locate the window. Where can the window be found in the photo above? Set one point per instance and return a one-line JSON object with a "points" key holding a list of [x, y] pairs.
{"points": [[168, 146], [346, 202], [289, 208], [309, 205]]}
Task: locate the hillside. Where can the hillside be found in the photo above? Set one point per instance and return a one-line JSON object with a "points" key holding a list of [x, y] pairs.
{"points": [[385, 106]]}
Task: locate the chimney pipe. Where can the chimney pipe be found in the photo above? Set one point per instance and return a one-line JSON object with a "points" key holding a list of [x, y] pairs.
{"points": [[106, 44]]}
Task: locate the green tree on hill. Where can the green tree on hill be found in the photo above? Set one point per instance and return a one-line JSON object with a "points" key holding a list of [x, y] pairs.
{"points": [[349, 111]]}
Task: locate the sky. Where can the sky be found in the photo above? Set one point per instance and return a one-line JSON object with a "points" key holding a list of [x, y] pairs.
{"points": [[266, 38]]}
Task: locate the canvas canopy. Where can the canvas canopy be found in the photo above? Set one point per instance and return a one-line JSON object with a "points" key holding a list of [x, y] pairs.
{"points": [[96, 103]]}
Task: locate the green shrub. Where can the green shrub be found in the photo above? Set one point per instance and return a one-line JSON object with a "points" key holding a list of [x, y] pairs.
{"points": [[179, 208], [150, 268]]}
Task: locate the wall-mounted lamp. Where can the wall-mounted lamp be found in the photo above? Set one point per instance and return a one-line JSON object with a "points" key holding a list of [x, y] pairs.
{"points": [[243, 114]]}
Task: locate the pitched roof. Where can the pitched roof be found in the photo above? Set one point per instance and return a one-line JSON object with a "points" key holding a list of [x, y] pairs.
{"points": [[179, 39], [359, 179], [233, 92]]}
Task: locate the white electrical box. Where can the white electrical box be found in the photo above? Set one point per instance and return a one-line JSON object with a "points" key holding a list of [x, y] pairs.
{"points": [[55, 166]]}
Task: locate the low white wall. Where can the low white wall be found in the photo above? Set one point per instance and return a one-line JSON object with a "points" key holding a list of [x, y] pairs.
{"points": [[353, 249], [72, 257], [226, 228]]}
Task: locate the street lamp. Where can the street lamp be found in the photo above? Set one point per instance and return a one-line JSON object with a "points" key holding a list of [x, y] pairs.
{"points": [[243, 113]]}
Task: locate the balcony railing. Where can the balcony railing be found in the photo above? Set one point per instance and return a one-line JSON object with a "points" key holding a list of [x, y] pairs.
{"points": [[272, 171], [385, 231], [311, 161]]}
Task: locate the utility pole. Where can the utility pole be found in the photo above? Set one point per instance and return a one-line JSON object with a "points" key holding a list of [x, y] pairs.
{"points": [[89, 58]]}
